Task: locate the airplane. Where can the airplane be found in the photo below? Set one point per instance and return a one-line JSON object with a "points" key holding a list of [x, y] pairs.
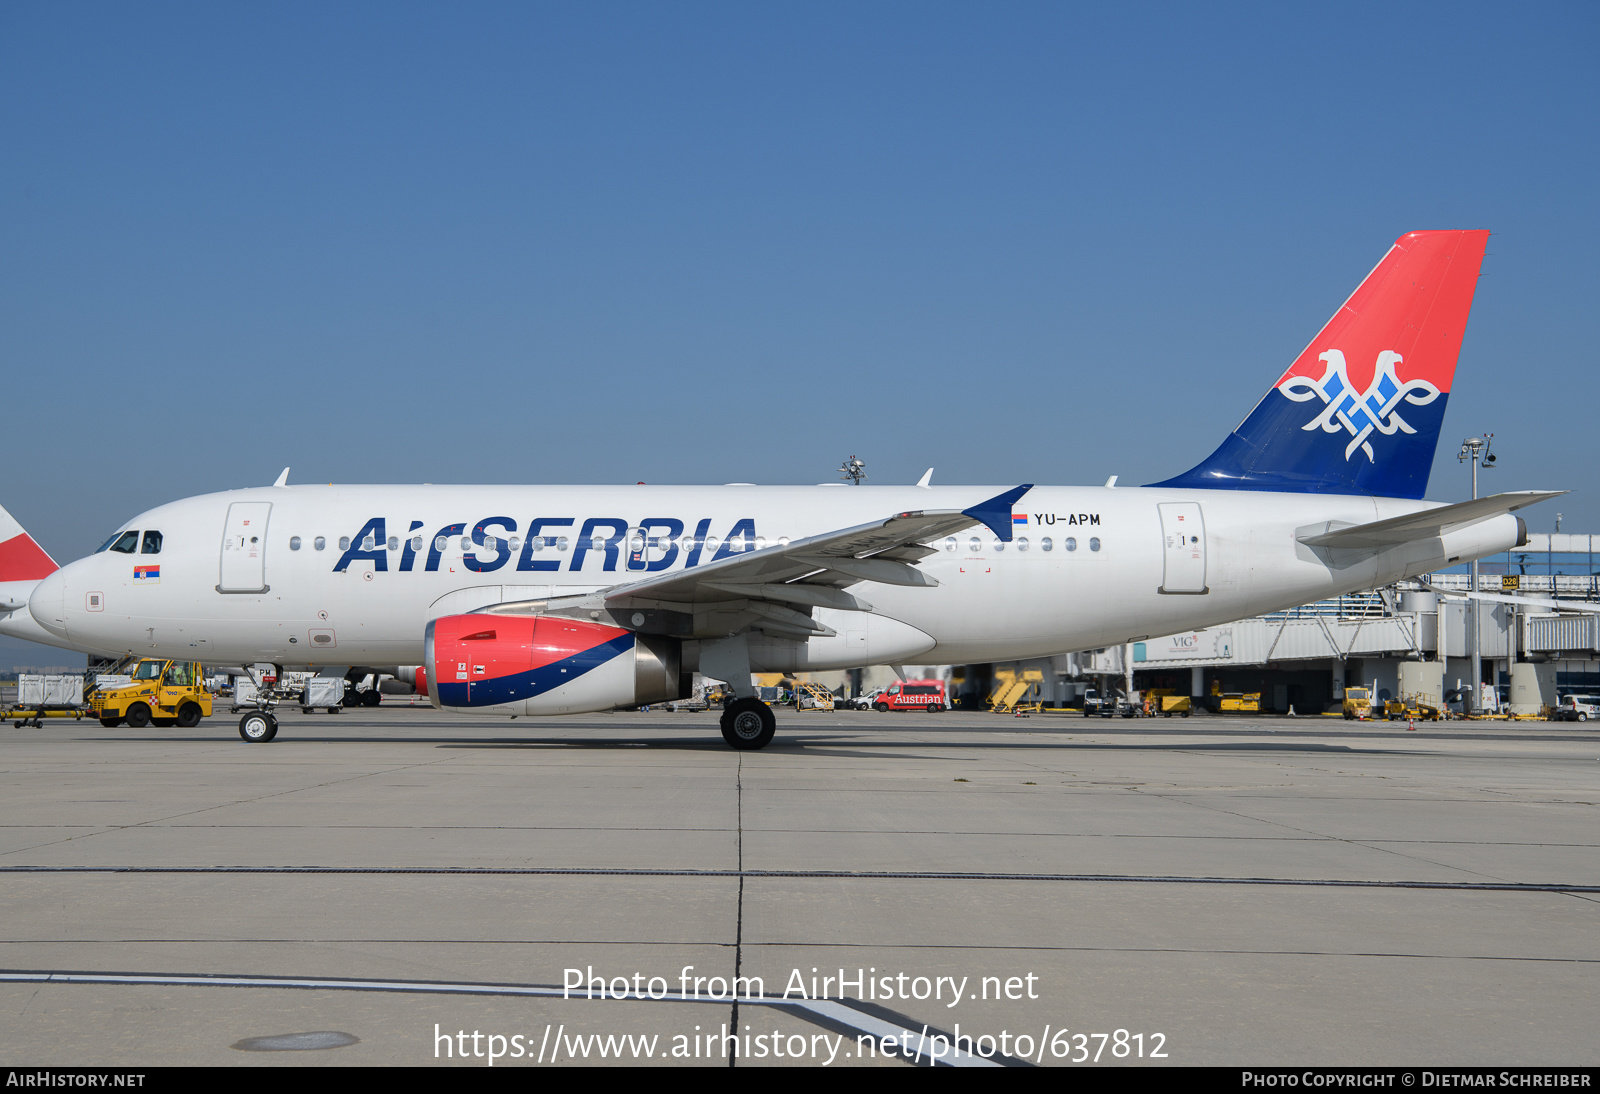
{"points": [[546, 600]]}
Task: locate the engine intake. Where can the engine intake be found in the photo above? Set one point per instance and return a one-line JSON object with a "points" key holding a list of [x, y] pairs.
{"points": [[509, 664]]}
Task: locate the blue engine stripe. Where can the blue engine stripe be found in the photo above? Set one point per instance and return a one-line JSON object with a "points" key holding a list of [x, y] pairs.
{"points": [[525, 685]]}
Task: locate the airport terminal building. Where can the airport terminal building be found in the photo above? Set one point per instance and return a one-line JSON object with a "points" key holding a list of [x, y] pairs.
{"points": [[1414, 638]]}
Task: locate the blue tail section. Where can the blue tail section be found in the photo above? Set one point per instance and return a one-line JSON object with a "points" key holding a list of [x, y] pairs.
{"points": [[1359, 411]]}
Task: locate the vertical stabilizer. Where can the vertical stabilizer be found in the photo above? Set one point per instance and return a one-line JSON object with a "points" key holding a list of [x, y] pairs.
{"points": [[1360, 409], [21, 559]]}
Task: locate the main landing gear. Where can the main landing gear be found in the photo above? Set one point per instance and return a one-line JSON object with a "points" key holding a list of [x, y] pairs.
{"points": [[748, 724]]}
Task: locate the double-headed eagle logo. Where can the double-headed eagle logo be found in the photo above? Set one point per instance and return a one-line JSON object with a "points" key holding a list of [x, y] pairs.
{"points": [[1376, 409]]}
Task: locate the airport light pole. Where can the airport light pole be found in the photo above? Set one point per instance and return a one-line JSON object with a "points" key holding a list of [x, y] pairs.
{"points": [[1475, 450]]}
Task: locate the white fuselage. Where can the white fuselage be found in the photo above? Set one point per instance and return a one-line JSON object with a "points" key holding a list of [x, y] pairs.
{"points": [[995, 601]]}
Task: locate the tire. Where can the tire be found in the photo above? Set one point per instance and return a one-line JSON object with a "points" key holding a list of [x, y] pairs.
{"points": [[111, 723], [189, 715], [881, 708], [1583, 715], [258, 727], [937, 708], [352, 698], [371, 698], [138, 716], [748, 724]]}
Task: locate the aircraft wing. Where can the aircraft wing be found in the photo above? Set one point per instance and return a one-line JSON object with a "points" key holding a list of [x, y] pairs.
{"points": [[775, 588], [1426, 524]]}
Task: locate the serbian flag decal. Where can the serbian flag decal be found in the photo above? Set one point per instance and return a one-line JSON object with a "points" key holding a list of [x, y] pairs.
{"points": [[1019, 518], [147, 575]]}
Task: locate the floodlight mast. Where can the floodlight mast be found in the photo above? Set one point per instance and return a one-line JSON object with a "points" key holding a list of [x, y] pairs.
{"points": [[853, 470], [1476, 451]]}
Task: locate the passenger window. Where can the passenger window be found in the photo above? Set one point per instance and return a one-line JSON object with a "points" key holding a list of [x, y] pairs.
{"points": [[394, 543], [1070, 543], [1094, 544], [127, 543], [512, 544], [950, 543], [344, 543], [561, 543], [1045, 544], [974, 544], [416, 543], [294, 543], [1022, 543], [152, 543], [999, 544], [441, 543], [319, 543]]}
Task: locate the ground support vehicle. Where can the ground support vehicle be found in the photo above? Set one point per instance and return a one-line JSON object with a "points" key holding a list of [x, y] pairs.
{"points": [[912, 695], [1105, 706], [1357, 704], [809, 696], [1009, 690], [163, 693], [1241, 702], [326, 692], [1576, 708]]}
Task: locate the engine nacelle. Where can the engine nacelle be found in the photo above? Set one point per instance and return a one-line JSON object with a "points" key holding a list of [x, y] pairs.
{"points": [[514, 664]]}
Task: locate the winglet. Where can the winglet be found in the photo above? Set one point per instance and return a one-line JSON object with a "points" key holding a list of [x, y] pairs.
{"points": [[995, 513], [927, 477], [283, 478]]}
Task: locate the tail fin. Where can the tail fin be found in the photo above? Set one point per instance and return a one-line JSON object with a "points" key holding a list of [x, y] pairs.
{"points": [[1359, 411], [21, 559]]}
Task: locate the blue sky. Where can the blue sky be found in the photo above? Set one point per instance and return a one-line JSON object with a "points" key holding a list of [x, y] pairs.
{"points": [[711, 243]]}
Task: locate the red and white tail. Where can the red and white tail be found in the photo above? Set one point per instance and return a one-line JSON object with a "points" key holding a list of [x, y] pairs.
{"points": [[21, 559]]}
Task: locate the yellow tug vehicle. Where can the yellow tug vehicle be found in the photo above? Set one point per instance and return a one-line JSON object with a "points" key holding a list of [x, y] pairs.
{"points": [[163, 693]]}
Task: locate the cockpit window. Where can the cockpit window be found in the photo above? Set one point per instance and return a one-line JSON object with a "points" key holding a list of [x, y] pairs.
{"points": [[149, 670], [126, 543], [152, 543]]}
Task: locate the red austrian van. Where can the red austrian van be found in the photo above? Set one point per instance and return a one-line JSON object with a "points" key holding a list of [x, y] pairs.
{"points": [[912, 695]]}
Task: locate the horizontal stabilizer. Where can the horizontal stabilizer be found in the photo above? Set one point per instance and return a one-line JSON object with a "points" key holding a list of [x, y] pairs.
{"points": [[1427, 524]]}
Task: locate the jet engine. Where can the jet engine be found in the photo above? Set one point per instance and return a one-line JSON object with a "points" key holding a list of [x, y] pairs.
{"points": [[509, 664]]}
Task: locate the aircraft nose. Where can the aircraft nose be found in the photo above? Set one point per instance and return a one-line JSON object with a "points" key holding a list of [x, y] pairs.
{"points": [[47, 605]]}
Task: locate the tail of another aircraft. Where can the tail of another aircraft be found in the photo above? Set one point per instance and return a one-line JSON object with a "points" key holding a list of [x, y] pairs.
{"points": [[1359, 411], [21, 559]]}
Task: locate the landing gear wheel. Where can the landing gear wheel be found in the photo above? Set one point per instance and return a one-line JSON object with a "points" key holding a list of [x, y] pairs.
{"points": [[748, 724], [189, 715], [352, 698], [371, 698], [258, 727], [138, 716]]}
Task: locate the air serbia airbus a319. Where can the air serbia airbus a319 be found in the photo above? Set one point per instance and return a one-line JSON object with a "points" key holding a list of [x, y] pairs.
{"points": [[543, 600]]}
